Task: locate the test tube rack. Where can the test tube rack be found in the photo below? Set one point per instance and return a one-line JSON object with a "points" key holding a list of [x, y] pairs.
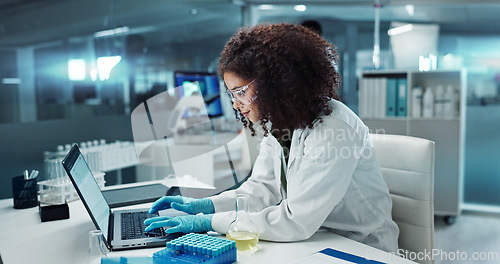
{"points": [[197, 248], [102, 156], [58, 192]]}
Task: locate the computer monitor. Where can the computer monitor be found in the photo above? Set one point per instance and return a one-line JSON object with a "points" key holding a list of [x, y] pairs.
{"points": [[207, 83], [82, 92]]}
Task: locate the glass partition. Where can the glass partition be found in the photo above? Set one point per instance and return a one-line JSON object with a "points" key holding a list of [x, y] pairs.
{"points": [[81, 59]]}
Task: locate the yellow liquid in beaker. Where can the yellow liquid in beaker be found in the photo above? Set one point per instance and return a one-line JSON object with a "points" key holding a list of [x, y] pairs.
{"points": [[244, 240]]}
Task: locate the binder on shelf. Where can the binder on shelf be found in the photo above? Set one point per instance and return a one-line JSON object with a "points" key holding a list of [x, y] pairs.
{"points": [[372, 106], [366, 104], [374, 98], [391, 97], [402, 97], [381, 97], [369, 94], [362, 97]]}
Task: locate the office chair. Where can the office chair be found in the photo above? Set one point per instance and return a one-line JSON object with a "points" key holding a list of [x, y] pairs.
{"points": [[407, 165]]}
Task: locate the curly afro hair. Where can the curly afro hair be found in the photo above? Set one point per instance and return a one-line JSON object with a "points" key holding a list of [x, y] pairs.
{"points": [[294, 71]]}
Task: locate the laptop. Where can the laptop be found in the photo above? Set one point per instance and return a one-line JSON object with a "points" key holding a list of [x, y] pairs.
{"points": [[122, 229], [132, 195]]}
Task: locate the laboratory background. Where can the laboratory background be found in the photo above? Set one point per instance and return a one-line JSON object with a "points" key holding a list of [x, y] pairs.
{"points": [[74, 71]]}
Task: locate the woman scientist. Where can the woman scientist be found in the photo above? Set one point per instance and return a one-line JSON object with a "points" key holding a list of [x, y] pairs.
{"points": [[315, 167]]}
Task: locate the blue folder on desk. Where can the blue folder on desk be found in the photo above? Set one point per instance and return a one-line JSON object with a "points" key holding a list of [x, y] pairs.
{"points": [[335, 254], [347, 256]]}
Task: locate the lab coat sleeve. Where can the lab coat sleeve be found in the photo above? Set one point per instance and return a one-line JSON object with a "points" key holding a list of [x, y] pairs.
{"points": [[261, 186], [314, 189]]}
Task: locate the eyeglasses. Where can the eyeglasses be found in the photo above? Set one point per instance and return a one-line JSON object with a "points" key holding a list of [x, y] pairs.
{"points": [[240, 94]]}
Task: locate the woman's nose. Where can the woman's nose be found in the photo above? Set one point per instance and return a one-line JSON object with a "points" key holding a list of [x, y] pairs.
{"points": [[236, 105]]}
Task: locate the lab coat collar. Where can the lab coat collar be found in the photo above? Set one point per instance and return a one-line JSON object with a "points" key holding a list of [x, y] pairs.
{"points": [[297, 140]]}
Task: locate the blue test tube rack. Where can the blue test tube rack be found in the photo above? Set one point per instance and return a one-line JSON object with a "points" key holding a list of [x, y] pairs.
{"points": [[197, 248]]}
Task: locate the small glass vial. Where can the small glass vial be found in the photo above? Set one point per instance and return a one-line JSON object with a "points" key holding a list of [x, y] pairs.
{"points": [[242, 229], [97, 249]]}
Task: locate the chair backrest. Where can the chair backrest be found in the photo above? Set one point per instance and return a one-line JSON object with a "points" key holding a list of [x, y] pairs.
{"points": [[407, 165]]}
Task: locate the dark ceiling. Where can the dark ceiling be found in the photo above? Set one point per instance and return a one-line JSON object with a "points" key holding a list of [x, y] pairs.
{"points": [[31, 22]]}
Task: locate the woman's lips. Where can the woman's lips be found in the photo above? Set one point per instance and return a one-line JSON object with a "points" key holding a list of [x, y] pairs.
{"points": [[245, 114]]}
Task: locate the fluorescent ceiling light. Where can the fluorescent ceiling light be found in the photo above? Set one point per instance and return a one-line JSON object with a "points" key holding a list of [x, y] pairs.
{"points": [[399, 30], [105, 65], [111, 32], [93, 74], [76, 69], [266, 7], [300, 8], [11, 81], [410, 9]]}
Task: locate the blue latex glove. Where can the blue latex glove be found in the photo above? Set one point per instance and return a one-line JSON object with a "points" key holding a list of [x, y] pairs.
{"points": [[184, 204], [183, 223]]}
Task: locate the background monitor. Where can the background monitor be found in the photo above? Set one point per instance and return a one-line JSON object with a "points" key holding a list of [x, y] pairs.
{"points": [[82, 92], [207, 83]]}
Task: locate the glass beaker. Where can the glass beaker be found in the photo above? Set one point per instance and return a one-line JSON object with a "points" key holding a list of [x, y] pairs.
{"points": [[97, 249], [242, 229]]}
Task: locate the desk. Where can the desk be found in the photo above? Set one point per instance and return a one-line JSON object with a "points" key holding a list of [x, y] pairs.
{"points": [[25, 240]]}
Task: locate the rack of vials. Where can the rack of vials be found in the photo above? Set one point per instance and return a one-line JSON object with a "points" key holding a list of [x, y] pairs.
{"points": [[189, 249], [197, 248], [100, 156]]}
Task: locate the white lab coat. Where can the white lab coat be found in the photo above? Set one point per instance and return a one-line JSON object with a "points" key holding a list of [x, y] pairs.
{"points": [[333, 180]]}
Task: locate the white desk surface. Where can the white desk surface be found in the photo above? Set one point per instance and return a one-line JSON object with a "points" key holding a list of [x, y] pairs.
{"points": [[25, 239]]}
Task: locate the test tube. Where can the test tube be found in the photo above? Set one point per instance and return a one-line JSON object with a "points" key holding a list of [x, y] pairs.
{"points": [[48, 172], [99, 161], [90, 161], [94, 161], [61, 179], [53, 171]]}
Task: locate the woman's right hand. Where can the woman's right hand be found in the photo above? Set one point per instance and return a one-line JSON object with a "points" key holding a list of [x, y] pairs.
{"points": [[185, 204]]}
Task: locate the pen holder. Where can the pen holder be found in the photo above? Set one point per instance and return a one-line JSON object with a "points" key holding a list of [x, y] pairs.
{"points": [[24, 192]]}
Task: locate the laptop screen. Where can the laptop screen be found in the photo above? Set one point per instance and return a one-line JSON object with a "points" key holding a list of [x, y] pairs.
{"points": [[88, 189]]}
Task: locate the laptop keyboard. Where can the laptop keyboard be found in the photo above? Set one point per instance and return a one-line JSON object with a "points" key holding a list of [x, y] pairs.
{"points": [[133, 226]]}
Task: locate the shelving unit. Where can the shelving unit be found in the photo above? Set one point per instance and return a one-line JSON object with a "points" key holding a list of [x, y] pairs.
{"points": [[448, 133]]}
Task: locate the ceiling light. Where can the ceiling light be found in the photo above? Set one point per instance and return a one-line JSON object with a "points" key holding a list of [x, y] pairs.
{"points": [[105, 65], [266, 7], [11, 81], [76, 69], [400, 30], [111, 32], [410, 9], [194, 11], [300, 8]]}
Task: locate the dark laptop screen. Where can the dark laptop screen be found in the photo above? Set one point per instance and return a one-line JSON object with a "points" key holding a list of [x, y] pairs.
{"points": [[88, 189]]}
